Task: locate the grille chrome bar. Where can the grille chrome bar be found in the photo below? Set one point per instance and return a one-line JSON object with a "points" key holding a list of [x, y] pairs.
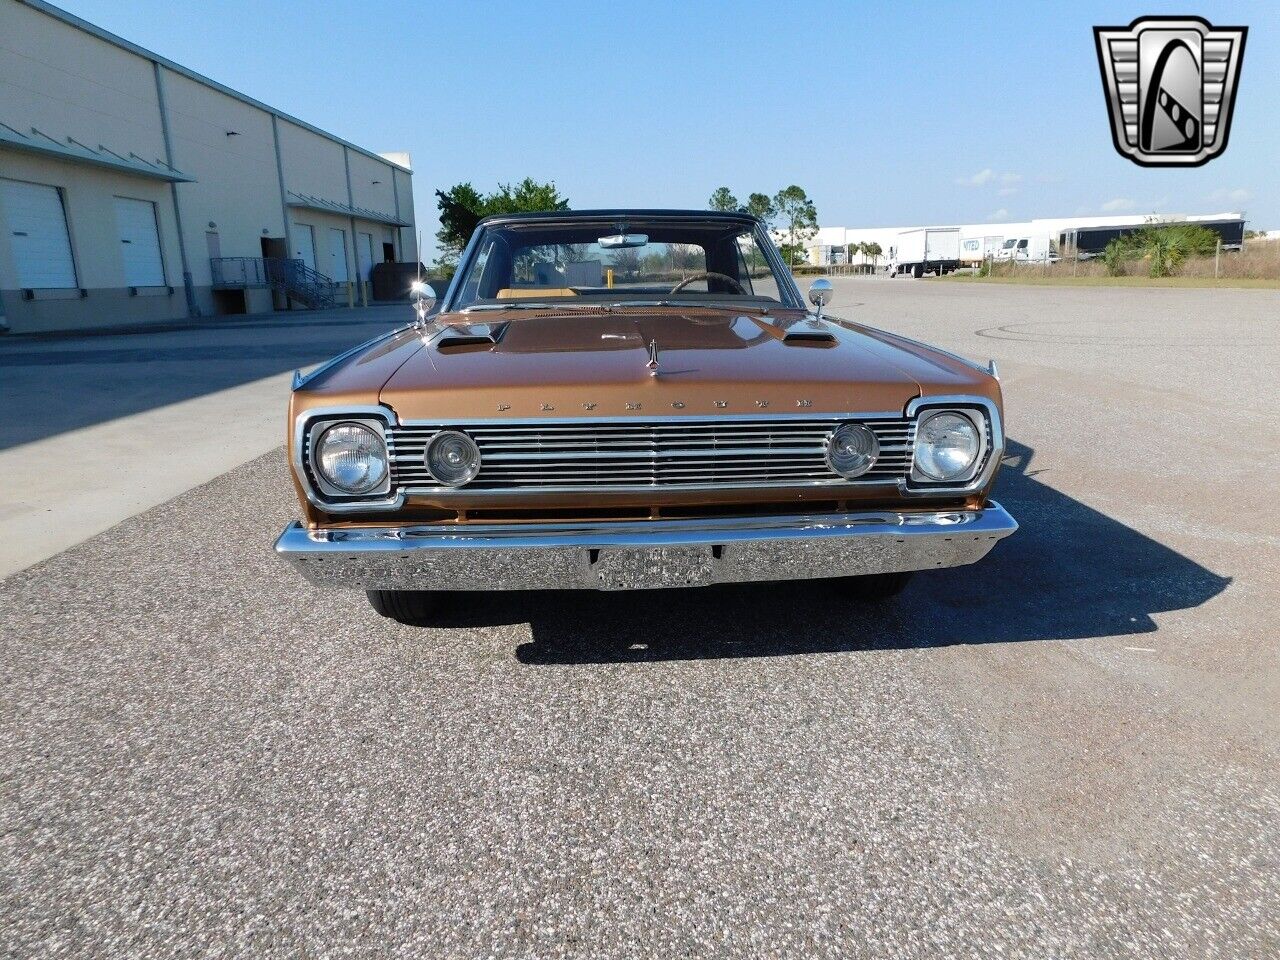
{"points": [[648, 454]]}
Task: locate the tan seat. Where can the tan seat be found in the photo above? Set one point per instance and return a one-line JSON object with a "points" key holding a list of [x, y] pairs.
{"points": [[525, 293]]}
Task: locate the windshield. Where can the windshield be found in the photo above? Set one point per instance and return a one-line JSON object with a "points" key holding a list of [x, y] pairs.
{"points": [[618, 261]]}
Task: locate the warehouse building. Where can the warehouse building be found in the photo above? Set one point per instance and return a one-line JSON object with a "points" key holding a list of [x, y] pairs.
{"points": [[133, 189]]}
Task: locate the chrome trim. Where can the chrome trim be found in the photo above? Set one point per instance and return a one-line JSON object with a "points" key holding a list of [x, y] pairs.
{"points": [[961, 403], [664, 418], [992, 369], [979, 425], [588, 555], [836, 484], [652, 454], [308, 420], [317, 428], [905, 485]]}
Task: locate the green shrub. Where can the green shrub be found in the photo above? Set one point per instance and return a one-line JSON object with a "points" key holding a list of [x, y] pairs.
{"points": [[1164, 248]]}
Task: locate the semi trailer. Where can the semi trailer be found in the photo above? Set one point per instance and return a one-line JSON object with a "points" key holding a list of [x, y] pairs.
{"points": [[1092, 241]]}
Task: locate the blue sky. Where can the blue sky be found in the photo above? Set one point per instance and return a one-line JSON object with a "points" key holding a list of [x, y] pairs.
{"points": [[886, 114]]}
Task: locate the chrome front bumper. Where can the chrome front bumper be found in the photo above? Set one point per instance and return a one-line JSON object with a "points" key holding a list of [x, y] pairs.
{"points": [[641, 554]]}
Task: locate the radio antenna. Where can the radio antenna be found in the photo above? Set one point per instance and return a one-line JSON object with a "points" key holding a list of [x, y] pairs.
{"points": [[419, 287]]}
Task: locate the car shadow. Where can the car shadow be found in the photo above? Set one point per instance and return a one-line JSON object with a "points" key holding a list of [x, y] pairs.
{"points": [[1070, 572]]}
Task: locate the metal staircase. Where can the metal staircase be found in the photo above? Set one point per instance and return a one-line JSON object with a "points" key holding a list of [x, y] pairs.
{"points": [[293, 278]]}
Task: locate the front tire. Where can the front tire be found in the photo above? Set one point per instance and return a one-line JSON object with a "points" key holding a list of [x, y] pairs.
{"points": [[876, 587], [414, 608]]}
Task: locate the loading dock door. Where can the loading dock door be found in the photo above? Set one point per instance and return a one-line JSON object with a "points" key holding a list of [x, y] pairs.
{"points": [[304, 244], [139, 243], [35, 225], [338, 255]]}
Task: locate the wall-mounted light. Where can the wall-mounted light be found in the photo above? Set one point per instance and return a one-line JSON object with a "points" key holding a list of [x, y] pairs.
{"points": [[375, 182], [233, 133], [266, 231], [212, 225]]}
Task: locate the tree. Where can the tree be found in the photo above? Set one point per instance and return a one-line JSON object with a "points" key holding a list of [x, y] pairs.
{"points": [[874, 251], [460, 210], [761, 207], [723, 201], [462, 207], [625, 262], [793, 253], [854, 249], [798, 214]]}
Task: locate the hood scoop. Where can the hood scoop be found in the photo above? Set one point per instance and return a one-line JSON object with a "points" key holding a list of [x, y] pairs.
{"points": [[809, 338], [465, 338], [800, 333]]}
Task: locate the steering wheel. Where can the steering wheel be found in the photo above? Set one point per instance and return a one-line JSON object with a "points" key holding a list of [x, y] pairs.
{"points": [[707, 275]]}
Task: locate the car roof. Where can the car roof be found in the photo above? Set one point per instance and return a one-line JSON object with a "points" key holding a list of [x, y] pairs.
{"points": [[555, 216]]}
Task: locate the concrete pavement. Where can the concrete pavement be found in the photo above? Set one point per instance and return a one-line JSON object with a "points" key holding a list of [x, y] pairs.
{"points": [[106, 425], [1067, 750]]}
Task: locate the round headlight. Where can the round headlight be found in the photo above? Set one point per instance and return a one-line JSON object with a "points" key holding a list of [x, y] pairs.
{"points": [[351, 457], [947, 446], [853, 450], [453, 458]]}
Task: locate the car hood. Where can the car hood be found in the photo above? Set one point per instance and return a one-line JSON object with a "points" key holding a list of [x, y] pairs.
{"points": [[596, 363]]}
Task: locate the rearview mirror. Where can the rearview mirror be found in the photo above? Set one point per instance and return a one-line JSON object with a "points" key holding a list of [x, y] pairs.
{"points": [[621, 241]]}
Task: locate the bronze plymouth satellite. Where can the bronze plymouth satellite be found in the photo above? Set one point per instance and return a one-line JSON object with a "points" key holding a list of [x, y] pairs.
{"points": [[633, 399]]}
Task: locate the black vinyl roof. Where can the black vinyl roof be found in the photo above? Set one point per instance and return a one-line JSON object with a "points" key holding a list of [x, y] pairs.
{"points": [[561, 216]]}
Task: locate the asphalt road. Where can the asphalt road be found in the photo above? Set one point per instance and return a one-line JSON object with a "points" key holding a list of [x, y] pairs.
{"points": [[1067, 750]]}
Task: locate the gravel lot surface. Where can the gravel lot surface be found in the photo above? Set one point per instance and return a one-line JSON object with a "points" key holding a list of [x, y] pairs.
{"points": [[1067, 750]]}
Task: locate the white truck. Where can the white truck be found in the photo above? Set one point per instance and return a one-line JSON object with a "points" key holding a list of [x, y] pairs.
{"points": [[926, 250], [1028, 250], [973, 250]]}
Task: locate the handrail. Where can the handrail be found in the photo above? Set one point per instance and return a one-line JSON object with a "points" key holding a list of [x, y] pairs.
{"points": [[291, 277]]}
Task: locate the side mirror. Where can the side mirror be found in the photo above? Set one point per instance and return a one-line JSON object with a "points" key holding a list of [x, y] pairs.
{"points": [[821, 293], [424, 298]]}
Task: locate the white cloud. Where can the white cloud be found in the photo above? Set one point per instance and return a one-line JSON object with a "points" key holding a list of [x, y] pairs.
{"points": [[1230, 196], [986, 176], [978, 179], [994, 215], [1126, 205]]}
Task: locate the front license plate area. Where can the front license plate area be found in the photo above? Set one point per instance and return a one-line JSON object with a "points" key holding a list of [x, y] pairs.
{"points": [[652, 568]]}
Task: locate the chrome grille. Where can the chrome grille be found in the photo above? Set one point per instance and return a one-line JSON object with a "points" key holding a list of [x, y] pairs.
{"points": [[777, 451]]}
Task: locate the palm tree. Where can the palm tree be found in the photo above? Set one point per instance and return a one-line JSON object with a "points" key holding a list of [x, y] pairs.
{"points": [[874, 251]]}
